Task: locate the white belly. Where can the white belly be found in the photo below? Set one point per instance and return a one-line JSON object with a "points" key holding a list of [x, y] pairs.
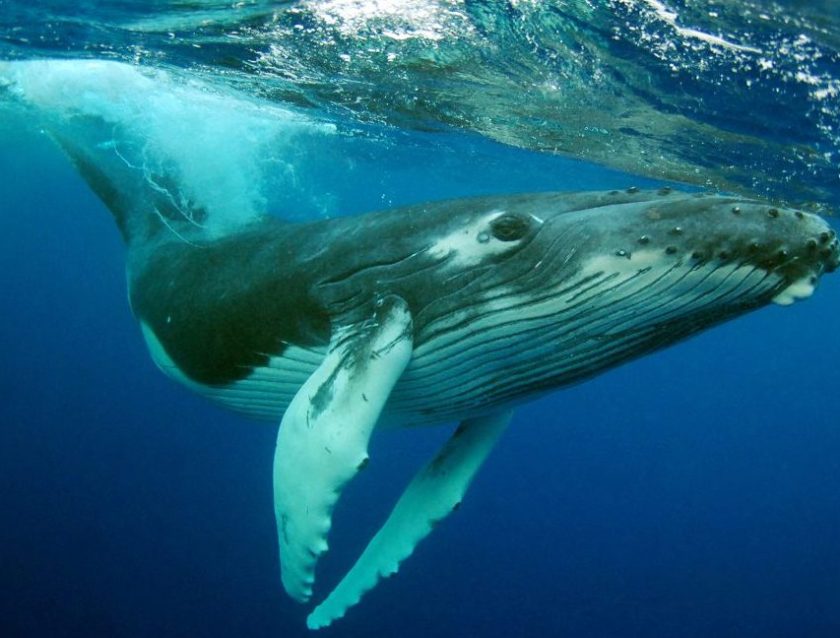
{"points": [[268, 390]]}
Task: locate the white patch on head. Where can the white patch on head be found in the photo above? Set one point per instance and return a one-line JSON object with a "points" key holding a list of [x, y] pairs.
{"points": [[629, 264], [470, 244], [799, 289]]}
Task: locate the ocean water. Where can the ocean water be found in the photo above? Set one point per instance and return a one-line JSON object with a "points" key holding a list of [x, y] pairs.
{"points": [[694, 492]]}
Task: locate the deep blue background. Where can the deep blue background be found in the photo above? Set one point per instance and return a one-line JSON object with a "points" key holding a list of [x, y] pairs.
{"points": [[692, 493]]}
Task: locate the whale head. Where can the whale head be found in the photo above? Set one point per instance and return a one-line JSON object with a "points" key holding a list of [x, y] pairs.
{"points": [[716, 254], [539, 291]]}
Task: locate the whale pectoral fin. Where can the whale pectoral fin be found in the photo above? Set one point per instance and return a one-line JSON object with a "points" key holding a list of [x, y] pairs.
{"points": [[323, 437], [433, 493]]}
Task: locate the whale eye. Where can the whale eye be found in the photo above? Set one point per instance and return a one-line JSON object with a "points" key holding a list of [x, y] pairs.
{"points": [[510, 227]]}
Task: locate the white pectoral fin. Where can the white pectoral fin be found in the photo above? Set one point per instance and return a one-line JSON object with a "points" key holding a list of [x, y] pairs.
{"points": [[323, 437], [432, 494]]}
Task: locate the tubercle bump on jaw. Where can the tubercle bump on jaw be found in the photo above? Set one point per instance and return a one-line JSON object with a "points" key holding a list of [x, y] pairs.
{"points": [[787, 251]]}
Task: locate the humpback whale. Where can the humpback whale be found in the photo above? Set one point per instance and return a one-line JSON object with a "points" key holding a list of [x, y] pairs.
{"points": [[445, 311], [449, 311]]}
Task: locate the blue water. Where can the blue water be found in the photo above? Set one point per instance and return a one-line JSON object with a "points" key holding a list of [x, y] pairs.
{"points": [[691, 493], [695, 492]]}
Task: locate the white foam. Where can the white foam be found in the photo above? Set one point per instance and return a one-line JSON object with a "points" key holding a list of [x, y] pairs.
{"points": [[399, 20], [218, 145], [670, 17]]}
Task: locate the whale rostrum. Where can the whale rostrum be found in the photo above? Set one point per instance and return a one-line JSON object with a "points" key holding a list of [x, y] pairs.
{"points": [[451, 311]]}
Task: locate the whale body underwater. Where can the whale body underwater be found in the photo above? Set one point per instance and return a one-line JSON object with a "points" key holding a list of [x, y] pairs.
{"points": [[445, 311]]}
